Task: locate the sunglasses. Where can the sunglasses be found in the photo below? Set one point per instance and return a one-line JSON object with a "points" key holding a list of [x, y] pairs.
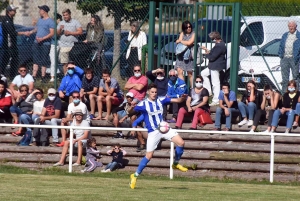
{"points": [[136, 70], [78, 114], [51, 94], [133, 25], [159, 73], [198, 81], [172, 75], [128, 97], [23, 90], [38, 93], [22, 70], [75, 96]]}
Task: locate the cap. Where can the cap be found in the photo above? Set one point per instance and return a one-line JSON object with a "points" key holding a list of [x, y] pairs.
{"points": [[51, 91], [129, 94], [78, 111], [44, 8], [11, 7]]}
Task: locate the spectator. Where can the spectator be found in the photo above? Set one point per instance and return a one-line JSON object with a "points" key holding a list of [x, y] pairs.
{"points": [[271, 100], [248, 106], [42, 44], [290, 107], [89, 90], [158, 77], [109, 94], [196, 104], [71, 82], [186, 39], [80, 140], [289, 53], [122, 115], [50, 115], [141, 136], [69, 29], [5, 102], [217, 62], [227, 106], [92, 156], [21, 111], [75, 105], [137, 84], [117, 154], [176, 88], [10, 41], [23, 78], [138, 40], [52, 50]]}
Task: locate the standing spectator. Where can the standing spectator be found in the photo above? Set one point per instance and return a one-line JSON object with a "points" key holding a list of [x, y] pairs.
{"points": [[271, 101], [75, 105], [69, 29], [92, 156], [42, 44], [109, 94], [80, 140], [290, 107], [52, 50], [117, 154], [176, 88], [196, 104], [5, 102], [185, 63], [137, 84], [289, 52], [251, 99], [10, 41], [22, 78], [134, 51], [89, 90], [217, 62], [227, 106], [71, 82], [159, 78]]}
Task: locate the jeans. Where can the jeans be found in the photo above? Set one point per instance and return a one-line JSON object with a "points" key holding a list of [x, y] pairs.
{"points": [[219, 113], [180, 48], [34, 117], [287, 64], [53, 122], [247, 110], [258, 115], [290, 118], [215, 76], [15, 110], [111, 166], [25, 119]]}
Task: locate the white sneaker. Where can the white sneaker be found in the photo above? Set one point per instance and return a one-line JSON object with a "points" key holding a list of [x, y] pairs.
{"points": [[108, 170], [51, 80], [103, 170], [287, 130], [266, 131], [213, 104], [251, 131], [243, 122], [250, 123]]}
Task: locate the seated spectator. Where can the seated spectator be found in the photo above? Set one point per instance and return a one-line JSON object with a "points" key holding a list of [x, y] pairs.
{"points": [[137, 84], [251, 99], [92, 156], [21, 111], [80, 141], [23, 78], [141, 136], [176, 88], [5, 102], [158, 77], [75, 105], [270, 102], [290, 107], [50, 115], [109, 94], [89, 90], [196, 104], [122, 116], [117, 154], [227, 105], [71, 82]]}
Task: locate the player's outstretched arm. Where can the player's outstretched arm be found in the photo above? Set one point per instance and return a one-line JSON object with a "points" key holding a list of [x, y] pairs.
{"points": [[180, 99]]}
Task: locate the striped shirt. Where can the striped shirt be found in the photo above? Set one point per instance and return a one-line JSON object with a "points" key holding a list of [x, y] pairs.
{"points": [[152, 111]]}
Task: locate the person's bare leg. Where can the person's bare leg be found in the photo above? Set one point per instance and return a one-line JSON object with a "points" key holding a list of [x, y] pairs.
{"points": [[65, 68], [79, 152], [108, 100], [92, 98], [35, 69], [44, 71], [190, 75], [63, 133], [99, 104], [180, 73], [15, 117], [64, 152], [140, 138], [116, 119]]}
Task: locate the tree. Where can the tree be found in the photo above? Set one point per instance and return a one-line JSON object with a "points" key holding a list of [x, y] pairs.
{"points": [[121, 10]]}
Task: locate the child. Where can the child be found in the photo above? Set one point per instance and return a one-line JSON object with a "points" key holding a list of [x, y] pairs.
{"points": [[92, 156], [117, 158]]}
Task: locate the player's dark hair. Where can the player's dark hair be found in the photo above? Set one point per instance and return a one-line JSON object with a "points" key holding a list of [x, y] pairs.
{"points": [[152, 86]]}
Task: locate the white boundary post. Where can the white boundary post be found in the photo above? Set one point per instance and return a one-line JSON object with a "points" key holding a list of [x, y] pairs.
{"points": [[272, 158], [71, 146], [171, 159]]}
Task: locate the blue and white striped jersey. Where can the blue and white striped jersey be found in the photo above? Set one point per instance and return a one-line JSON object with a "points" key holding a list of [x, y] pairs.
{"points": [[152, 111]]}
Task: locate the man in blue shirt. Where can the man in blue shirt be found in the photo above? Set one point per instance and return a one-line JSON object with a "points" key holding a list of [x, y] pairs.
{"points": [[227, 105], [152, 109]]}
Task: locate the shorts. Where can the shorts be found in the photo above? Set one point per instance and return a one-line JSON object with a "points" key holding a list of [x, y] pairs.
{"points": [[40, 54], [115, 101], [155, 136], [64, 54], [84, 143]]}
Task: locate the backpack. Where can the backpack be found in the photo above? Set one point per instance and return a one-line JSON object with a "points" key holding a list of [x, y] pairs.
{"points": [[26, 139]]}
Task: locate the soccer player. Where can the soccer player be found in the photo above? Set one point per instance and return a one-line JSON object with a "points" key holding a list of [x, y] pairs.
{"points": [[152, 109]]}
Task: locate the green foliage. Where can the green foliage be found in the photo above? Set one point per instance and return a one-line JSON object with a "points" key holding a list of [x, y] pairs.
{"points": [[4, 4]]}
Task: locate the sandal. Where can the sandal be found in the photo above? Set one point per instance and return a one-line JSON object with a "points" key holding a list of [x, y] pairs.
{"points": [[17, 133]]}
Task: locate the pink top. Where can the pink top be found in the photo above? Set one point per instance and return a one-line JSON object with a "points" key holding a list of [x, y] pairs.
{"points": [[140, 95]]}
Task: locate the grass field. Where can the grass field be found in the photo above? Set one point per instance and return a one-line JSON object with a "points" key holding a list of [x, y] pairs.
{"points": [[20, 184]]}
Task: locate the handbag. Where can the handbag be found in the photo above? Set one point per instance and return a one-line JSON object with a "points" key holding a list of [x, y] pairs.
{"points": [[205, 118]]}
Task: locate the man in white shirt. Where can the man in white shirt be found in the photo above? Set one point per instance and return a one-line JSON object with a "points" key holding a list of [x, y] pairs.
{"points": [[75, 105], [22, 78]]}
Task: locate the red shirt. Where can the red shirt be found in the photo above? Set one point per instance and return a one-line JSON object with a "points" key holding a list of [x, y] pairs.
{"points": [[140, 95]]}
